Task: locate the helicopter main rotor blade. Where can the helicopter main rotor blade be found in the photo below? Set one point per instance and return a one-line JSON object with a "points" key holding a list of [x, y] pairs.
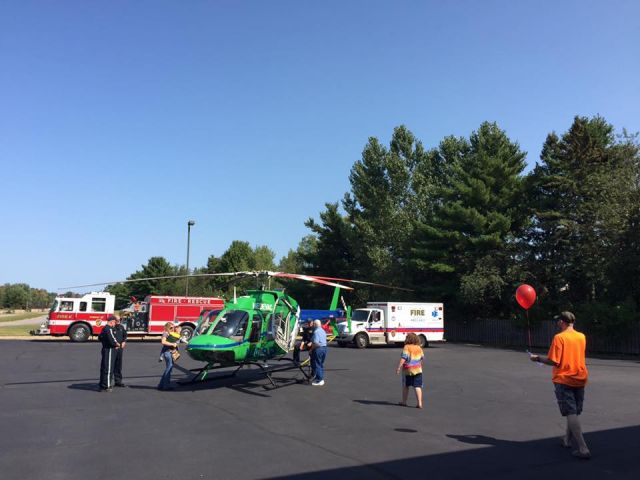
{"points": [[266, 273], [155, 278], [364, 283], [309, 278]]}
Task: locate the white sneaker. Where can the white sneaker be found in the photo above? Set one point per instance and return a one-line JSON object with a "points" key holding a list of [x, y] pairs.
{"points": [[317, 383]]}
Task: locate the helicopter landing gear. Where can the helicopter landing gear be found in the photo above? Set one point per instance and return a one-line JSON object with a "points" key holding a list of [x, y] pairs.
{"points": [[200, 374]]}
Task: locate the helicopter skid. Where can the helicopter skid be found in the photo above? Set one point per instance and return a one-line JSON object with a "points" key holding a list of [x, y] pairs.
{"points": [[268, 370]]}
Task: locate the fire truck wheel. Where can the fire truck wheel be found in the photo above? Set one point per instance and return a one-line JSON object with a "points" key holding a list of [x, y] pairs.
{"points": [[186, 332], [424, 343], [361, 340], [79, 333]]}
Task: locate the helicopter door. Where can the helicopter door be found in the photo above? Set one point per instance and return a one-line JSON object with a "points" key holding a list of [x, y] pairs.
{"points": [[256, 326], [286, 329]]}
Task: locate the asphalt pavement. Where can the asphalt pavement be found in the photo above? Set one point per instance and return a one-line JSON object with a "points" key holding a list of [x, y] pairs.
{"points": [[488, 414]]}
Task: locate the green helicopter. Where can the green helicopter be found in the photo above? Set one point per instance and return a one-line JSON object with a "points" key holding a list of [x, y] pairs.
{"points": [[251, 330], [255, 327]]}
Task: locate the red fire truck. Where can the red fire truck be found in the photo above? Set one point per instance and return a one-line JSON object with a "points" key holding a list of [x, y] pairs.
{"points": [[80, 318]]}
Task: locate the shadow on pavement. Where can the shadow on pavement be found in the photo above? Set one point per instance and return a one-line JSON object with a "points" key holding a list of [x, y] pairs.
{"points": [[615, 456], [67, 380], [88, 387], [376, 402]]}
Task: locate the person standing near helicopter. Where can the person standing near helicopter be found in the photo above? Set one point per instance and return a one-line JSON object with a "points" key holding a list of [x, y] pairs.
{"points": [[108, 356], [307, 333], [168, 346], [318, 353], [121, 337]]}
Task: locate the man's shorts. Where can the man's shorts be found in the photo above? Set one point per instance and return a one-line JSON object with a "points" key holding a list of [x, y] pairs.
{"points": [[570, 399], [413, 380]]}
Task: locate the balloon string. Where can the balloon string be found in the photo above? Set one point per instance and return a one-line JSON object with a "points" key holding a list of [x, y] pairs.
{"points": [[528, 331]]}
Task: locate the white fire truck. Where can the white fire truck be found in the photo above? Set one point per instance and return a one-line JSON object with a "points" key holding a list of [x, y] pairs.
{"points": [[389, 322], [80, 318]]}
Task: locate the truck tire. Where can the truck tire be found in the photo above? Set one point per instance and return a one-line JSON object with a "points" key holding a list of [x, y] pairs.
{"points": [[424, 343], [186, 332], [79, 332], [361, 340]]}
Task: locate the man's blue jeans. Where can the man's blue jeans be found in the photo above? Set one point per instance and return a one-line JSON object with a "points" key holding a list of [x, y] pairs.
{"points": [[317, 362]]}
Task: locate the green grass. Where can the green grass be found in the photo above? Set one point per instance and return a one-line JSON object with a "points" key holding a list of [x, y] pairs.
{"points": [[21, 316], [17, 330]]}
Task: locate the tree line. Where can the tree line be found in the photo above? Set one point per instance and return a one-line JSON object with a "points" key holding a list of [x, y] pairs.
{"points": [[21, 296], [463, 223]]}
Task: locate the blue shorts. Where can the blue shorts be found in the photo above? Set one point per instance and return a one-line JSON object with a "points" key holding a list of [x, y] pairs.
{"points": [[570, 399], [413, 380]]}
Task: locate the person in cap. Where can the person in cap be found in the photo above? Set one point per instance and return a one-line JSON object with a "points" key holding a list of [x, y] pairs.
{"points": [[109, 343], [121, 337], [569, 376], [307, 333]]}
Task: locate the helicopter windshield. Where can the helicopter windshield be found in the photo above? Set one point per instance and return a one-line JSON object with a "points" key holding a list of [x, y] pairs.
{"points": [[233, 324]]}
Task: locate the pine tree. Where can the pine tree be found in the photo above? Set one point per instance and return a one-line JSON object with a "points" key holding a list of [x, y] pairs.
{"points": [[467, 248], [583, 193]]}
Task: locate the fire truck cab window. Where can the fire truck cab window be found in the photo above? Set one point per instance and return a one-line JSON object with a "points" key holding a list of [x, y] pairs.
{"points": [[83, 306], [98, 304], [66, 306]]}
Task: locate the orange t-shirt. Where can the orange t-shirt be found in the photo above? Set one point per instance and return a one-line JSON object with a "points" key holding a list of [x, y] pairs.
{"points": [[567, 350]]}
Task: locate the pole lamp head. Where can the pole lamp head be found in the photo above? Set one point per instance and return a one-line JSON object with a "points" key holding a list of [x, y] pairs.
{"points": [[191, 223]]}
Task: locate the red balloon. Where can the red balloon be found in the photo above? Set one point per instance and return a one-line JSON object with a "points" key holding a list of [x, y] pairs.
{"points": [[526, 296]]}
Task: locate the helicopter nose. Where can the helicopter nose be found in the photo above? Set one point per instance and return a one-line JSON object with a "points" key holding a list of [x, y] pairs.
{"points": [[210, 349]]}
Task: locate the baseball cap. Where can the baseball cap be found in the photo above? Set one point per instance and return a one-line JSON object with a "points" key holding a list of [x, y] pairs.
{"points": [[566, 317]]}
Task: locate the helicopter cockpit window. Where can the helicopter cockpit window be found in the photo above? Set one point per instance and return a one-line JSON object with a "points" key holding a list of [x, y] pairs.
{"points": [[274, 323], [206, 322], [233, 324]]}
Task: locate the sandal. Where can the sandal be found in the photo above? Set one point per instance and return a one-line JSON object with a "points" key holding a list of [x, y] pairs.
{"points": [[418, 406], [400, 404]]}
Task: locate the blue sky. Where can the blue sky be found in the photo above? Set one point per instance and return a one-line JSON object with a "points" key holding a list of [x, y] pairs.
{"points": [[121, 120]]}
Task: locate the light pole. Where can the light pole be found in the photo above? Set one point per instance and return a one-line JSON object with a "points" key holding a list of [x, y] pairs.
{"points": [[190, 223]]}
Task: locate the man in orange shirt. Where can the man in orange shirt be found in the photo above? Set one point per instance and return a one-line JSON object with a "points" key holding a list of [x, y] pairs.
{"points": [[567, 357]]}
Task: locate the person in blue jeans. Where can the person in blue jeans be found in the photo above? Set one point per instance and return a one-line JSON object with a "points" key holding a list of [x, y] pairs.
{"points": [[318, 353], [165, 354]]}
